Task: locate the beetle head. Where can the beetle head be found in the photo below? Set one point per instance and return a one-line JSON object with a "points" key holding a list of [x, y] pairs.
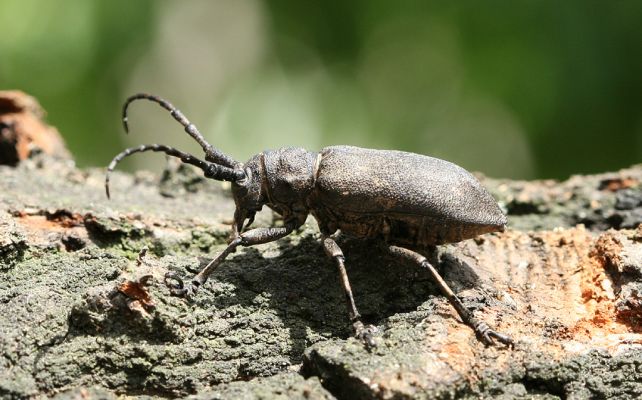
{"points": [[247, 179], [248, 193]]}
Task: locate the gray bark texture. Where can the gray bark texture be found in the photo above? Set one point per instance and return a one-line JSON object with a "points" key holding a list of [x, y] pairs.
{"points": [[84, 312]]}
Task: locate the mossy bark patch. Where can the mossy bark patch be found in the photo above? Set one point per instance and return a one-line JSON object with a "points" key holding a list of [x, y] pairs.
{"points": [[82, 313]]}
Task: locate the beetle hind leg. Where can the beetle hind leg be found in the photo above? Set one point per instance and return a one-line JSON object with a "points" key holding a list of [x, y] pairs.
{"points": [[482, 330], [365, 333]]}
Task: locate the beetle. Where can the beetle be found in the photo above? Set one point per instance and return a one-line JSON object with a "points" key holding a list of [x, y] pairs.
{"points": [[410, 202]]}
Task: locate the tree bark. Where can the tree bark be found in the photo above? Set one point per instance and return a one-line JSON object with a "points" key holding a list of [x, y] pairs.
{"points": [[84, 313]]}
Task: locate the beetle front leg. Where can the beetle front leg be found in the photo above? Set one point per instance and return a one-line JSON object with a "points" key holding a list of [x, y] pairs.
{"points": [[249, 238], [364, 333], [482, 330]]}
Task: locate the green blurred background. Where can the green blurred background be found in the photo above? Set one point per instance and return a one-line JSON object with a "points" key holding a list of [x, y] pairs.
{"points": [[522, 89]]}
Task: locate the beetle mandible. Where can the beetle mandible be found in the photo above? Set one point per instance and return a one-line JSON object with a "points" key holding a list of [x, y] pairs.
{"points": [[409, 201]]}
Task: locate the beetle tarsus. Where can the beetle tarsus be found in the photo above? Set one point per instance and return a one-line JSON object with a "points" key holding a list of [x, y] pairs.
{"points": [[171, 276], [488, 336], [178, 288], [365, 333]]}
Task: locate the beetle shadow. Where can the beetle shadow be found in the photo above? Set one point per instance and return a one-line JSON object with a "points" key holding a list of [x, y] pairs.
{"points": [[457, 272], [304, 290], [286, 291]]}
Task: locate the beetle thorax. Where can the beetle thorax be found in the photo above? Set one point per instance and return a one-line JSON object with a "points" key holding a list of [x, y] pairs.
{"points": [[288, 179]]}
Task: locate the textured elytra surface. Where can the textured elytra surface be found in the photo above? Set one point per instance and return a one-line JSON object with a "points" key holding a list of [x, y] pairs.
{"points": [[409, 199], [370, 181], [567, 295]]}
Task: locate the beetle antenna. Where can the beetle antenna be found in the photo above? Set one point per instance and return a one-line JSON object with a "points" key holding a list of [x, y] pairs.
{"points": [[211, 170], [211, 154]]}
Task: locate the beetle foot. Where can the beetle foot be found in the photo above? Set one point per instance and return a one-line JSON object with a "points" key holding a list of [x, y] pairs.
{"points": [[365, 333], [178, 288], [488, 336]]}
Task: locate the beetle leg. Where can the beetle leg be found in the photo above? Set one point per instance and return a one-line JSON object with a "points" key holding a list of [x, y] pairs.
{"points": [[364, 333], [248, 238], [482, 330]]}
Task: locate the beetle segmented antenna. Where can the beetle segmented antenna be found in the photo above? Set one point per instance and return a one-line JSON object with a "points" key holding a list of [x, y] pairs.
{"points": [[211, 154], [211, 170]]}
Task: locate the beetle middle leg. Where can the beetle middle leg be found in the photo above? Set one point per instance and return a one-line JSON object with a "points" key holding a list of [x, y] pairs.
{"points": [[248, 238], [482, 330], [362, 332]]}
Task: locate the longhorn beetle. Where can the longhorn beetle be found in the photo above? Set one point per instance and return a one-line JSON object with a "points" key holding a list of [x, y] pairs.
{"points": [[409, 201]]}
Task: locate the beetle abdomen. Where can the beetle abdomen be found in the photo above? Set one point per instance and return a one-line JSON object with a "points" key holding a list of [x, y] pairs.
{"points": [[402, 195]]}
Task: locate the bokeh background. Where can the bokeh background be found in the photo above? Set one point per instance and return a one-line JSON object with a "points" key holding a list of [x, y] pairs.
{"points": [[522, 89]]}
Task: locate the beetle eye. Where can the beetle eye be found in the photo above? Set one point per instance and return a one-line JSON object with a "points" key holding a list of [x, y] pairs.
{"points": [[246, 178]]}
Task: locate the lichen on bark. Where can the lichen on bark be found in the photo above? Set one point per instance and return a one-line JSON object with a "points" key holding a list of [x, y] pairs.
{"points": [[75, 319]]}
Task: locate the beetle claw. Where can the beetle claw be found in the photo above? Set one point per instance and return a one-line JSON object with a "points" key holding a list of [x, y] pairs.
{"points": [[486, 339], [178, 288], [507, 340], [171, 276], [488, 336], [365, 334]]}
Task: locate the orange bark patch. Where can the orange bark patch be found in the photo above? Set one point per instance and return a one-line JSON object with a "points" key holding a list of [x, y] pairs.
{"points": [[40, 226], [136, 291], [598, 292], [619, 183], [23, 131], [561, 285]]}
